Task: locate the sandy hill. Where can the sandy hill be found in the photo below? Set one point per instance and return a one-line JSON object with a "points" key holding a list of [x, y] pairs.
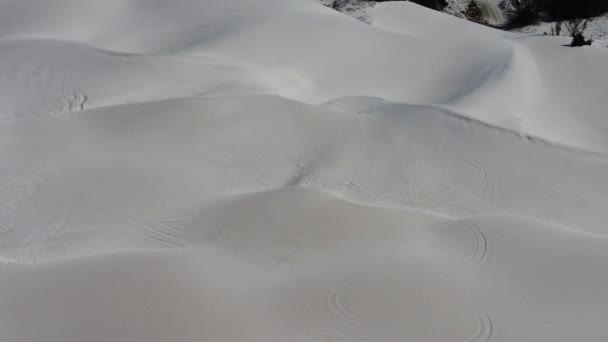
{"points": [[273, 170]]}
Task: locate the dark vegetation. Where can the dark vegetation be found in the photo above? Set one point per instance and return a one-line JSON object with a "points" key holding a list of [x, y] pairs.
{"points": [[474, 13], [521, 13], [573, 9], [439, 5], [337, 4], [577, 29], [434, 4], [526, 12], [574, 12]]}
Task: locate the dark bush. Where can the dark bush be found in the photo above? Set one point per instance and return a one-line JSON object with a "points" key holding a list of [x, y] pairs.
{"points": [[569, 9], [434, 4], [526, 12], [473, 13], [338, 5], [579, 40], [577, 29], [522, 13]]}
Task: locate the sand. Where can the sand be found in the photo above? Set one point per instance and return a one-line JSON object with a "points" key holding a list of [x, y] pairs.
{"points": [[273, 170]]}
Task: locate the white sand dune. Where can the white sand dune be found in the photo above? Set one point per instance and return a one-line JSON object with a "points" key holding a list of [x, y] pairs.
{"points": [[272, 170]]}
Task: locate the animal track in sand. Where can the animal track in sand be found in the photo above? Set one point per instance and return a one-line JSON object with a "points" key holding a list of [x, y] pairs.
{"points": [[467, 182], [328, 335], [350, 301], [333, 298], [547, 191], [481, 242], [286, 260], [74, 102], [465, 230], [354, 306], [43, 192], [183, 217], [46, 233], [161, 233], [485, 330]]}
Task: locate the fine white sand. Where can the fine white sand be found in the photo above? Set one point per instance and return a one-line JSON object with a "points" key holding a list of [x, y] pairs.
{"points": [[273, 170]]}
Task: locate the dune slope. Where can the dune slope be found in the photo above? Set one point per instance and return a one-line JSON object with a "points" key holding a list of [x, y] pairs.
{"points": [[273, 170]]}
